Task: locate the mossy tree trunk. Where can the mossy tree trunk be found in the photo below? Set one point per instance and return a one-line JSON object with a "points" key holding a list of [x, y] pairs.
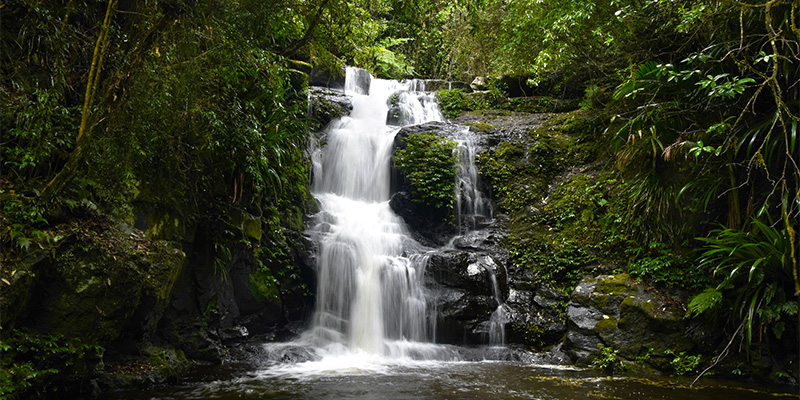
{"points": [[71, 168]]}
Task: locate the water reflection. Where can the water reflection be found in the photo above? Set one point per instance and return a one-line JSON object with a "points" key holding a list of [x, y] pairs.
{"points": [[395, 380]]}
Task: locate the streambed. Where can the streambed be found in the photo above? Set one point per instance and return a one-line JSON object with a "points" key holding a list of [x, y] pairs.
{"points": [[369, 377]]}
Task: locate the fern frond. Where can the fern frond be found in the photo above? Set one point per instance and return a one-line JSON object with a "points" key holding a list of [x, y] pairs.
{"points": [[706, 301]]}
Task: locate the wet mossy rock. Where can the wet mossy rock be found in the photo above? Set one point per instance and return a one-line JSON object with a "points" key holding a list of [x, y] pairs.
{"points": [[615, 311], [325, 105]]}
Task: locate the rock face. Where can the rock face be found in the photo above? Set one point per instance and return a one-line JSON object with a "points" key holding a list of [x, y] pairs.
{"points": [[95, 283], [427, 224], [467, 287], [614, 311], [325, 104], [325, 77], [535, 318]]}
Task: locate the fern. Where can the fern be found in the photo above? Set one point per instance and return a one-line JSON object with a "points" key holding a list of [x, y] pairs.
{"points": [[704, 302], [754, 271]]}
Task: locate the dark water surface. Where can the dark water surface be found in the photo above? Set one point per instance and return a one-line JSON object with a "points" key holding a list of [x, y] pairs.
{"points": [[343, 379]]}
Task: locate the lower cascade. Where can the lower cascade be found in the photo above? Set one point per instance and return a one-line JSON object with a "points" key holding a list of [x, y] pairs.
{"points": [[371, 296]]}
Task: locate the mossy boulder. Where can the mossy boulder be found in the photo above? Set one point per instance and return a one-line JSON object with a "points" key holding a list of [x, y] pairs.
{"points": [[325, 105], [91, 281], [615, 311]]}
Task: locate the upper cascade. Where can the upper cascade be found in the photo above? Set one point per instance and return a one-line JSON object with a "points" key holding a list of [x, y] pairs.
{"points": [[371, 296]]}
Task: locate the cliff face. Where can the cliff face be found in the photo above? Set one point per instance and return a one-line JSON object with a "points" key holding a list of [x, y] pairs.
{"points": [[153, 297]]}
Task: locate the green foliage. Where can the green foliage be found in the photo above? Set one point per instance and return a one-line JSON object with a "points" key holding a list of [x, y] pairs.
{"points": [[452, 102], [385, 63], [430, 164], [683, 363], [753, 269], [30, 363], [662, 266], [706, 301], [609, 361], [531, 334], [564, 231]]}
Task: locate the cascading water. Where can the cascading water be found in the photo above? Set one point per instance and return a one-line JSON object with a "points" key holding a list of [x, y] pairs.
{"points": [[368, 293], [471, 205], [497, 322]]}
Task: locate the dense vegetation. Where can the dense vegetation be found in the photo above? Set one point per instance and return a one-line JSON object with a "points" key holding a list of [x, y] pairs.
{"points": [[197, 109], [429, 163]]}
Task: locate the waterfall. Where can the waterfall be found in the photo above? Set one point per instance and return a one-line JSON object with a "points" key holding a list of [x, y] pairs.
{"points": [[371, 297], [471, 205], [369, 293]]}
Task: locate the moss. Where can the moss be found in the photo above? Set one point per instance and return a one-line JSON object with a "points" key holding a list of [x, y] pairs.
{"points": [[264, 286], [482, 127], [559, 222], [168, 362], [429, 164], [614, 284], [606, 326]]}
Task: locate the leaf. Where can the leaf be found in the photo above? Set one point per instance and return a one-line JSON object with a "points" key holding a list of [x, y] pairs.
{"points": [[704, 302]]}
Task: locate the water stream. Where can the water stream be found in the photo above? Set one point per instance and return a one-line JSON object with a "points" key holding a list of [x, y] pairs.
{"points": [[373, 332], [370, 293]]}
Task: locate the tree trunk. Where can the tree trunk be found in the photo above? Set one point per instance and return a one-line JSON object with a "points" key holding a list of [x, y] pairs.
{"points": [[70, 169]]}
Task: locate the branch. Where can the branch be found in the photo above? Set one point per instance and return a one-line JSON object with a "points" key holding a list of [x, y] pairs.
{"points": [[721, 355], [314, 22], [68, 172]]}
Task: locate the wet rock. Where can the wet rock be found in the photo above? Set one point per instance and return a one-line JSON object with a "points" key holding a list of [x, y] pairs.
{"points": [[396, 116], [434, 225], [426, 223], [481, 240], [326, 77], [614, 311], [233, 335], [479, 83], [442, 129], [460, 314], [474, 272], [361, 81], [326, 105], [531, 323]]}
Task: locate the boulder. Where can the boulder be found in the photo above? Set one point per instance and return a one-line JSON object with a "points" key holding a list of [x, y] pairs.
{"points": [[479, 274], [535, 323], [326, 105], [327, 77], [615, 311], [479, 83], [91, 283], [461, 316]]}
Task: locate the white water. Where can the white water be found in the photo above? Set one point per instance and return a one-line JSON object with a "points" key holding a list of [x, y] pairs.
{"points": [[370, 295], [471, 204]]}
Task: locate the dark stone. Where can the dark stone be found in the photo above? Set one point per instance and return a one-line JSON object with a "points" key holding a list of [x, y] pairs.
{"points": [[467, 270], [325, 105], [427, 223], [533, 324], [396, 116], [325, 77], [431, 225], [361, 81], [460, 315], [615, 311]]}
